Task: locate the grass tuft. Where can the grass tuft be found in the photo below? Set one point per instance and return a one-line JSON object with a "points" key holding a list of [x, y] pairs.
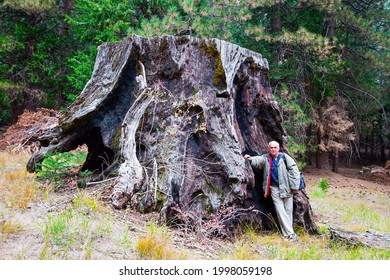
{"points": [[88, 203], [154, 245], [8, 228]]}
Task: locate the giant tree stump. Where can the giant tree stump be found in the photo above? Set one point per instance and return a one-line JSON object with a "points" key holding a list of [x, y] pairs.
{"points": [[171, 118]]}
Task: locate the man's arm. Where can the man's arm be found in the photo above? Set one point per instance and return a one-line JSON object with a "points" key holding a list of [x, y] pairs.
{"points": [[293, 173], [256, 161]]}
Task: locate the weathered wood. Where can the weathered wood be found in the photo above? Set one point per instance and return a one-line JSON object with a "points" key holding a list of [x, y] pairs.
{"points": [[131, 174], [303, 212], [370, 238], [371, 170], [171, 117]]}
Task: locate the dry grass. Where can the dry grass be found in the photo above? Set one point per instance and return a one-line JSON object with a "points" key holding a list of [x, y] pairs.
{"points": [[8, 228], [18, 188], [155, 245], [10, 160]]}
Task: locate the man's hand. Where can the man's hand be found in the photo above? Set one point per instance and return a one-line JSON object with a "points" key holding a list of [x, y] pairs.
{"points": [[248, 157], [295, 191]]}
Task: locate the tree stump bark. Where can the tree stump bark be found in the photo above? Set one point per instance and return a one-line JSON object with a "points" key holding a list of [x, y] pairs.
{"points": [[171, 118]]}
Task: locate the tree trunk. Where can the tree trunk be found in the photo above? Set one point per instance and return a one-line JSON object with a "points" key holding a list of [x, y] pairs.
{"points": [[170, 118], [382, 148], [276, 28], [66, 7], [308, 152], [335, 160], [372, 146], [322, 160], [366, 146], [370, 238], [322, 157], [330, 27], [382, 141], [388, 147], [14, 111]]}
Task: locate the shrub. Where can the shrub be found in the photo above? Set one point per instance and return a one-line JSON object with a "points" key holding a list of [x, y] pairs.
{"points": [[324, 185], [57, 165]]}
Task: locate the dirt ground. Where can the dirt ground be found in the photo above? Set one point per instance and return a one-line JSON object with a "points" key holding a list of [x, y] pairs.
{"points": [[125, 226]]}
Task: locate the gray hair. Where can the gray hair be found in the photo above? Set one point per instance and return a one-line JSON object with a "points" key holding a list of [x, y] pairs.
{"points": [[273, 142]]}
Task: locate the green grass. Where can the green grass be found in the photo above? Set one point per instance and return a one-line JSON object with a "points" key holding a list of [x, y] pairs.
{"points": [[87, 202], [364, 217], [73, 230], [272, 247], [322, 188], [352, 212]]}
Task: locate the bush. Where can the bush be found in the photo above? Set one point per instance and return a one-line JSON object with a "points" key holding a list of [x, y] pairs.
{"points": [[57, 165], [324, 185]]}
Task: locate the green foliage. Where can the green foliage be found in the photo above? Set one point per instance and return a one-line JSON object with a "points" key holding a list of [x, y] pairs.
{"points": [[94, 23], [324, 185], [297, 151], [33, 52], [295, 121], [217, 19], [4, 107], [100, 21], [57, 165], [81, 65]]}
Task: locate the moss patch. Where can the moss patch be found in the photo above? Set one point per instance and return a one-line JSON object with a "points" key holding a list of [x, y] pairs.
{"points": [[219, 76], [219, 79]]}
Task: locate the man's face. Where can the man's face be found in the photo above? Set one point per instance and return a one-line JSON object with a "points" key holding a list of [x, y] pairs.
{"points": [[273, 149]]}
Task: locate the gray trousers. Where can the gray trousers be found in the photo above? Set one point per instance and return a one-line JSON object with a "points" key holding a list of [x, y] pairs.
{"points": [[284, 211]]}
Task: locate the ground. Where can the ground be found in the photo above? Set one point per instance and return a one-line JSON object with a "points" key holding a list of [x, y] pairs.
{"points": [[350, 186], [67, 223]]}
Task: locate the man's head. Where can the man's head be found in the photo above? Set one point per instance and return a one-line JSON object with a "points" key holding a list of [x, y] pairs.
{"points": [[273, 148]]}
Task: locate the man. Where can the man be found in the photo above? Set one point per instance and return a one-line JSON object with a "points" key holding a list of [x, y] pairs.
{"points": [[280, 180]]}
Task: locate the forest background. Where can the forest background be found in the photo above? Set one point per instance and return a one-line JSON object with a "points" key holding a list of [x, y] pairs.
{"points": [[328, 60]]}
